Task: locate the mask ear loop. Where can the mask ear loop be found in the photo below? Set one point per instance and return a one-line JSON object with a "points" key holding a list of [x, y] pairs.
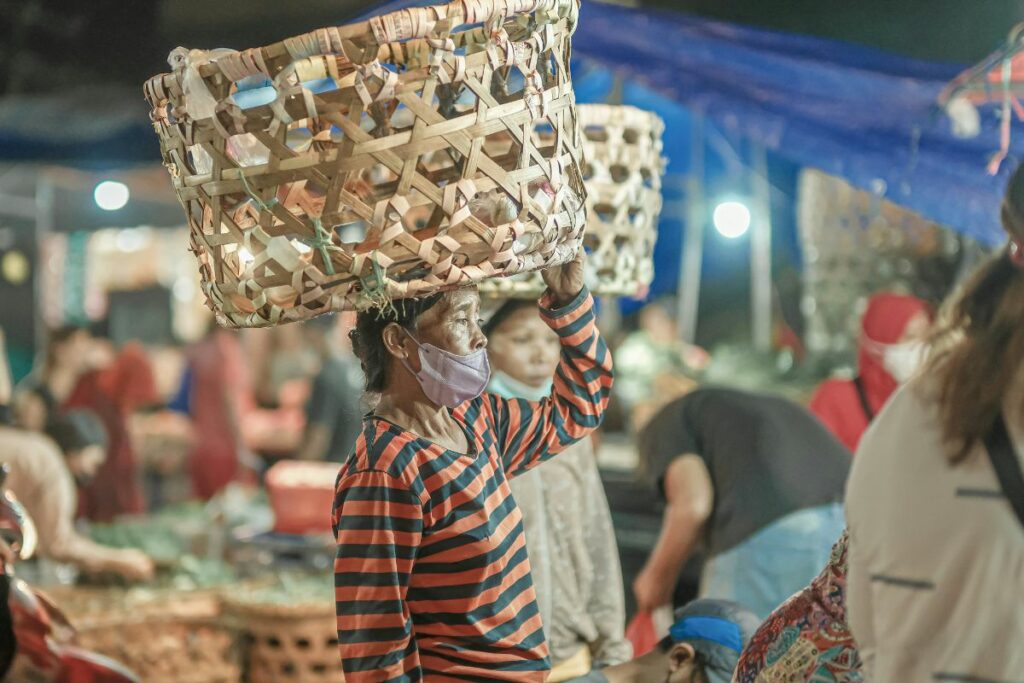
{"points": [[405, 361]]}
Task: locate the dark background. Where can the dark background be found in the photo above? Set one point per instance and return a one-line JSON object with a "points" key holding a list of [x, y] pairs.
{"points": [[46, 45]]}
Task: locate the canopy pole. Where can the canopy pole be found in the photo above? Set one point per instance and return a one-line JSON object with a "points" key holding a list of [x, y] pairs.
{"points": [[691, 260], [45, 198], [761, 253]]}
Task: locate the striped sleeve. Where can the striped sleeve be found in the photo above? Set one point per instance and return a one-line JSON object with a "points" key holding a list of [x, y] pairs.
{"points": [[529, 433], [378, 523]]}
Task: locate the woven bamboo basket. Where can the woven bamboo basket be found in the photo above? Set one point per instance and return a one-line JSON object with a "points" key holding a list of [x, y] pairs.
{"points": [[387, 159], [167, 637], [622, 146], [288, 643]]}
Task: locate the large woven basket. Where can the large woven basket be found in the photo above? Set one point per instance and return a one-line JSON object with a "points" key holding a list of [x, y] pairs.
{"points": [[288, 643], [164, 637], [387, 159], [622, 146]]}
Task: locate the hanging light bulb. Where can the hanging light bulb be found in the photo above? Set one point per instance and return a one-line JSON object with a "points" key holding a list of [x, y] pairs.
{"points": [[731, 219]]}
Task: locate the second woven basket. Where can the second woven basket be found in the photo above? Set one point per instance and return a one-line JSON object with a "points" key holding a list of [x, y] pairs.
{"points": [[622, 146]]}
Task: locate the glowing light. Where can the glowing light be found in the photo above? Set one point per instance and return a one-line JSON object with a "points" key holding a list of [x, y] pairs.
{"points": [[111, 195], [15, 267], [732, 219]]}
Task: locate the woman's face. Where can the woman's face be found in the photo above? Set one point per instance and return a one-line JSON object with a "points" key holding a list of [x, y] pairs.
{"points": [[86, 462], [453, 324], [525, 348], [917, 328]]}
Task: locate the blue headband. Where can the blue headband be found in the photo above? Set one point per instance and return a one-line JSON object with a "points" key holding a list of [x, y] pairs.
{"points": [[712, 629]]}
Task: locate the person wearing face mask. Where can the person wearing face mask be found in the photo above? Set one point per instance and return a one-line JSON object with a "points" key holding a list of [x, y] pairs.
{"points": [[45, 482], [935, 501], [808, 637], [432, 575], [574, 559], [890, 352]]}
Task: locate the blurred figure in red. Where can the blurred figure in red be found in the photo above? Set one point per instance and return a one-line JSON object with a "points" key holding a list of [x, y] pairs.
{"points": [[220, 394], [113, 384], [891, 348]]}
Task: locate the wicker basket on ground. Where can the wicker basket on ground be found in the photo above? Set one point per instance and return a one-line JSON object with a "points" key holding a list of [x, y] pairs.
{"points": [[287, 643], [163, 636], [622, 146], [417, 151]]}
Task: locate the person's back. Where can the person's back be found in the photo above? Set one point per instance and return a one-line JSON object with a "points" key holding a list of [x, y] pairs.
{"points": [[758, 479], [767, 457], [936, 587], [39, 479]]}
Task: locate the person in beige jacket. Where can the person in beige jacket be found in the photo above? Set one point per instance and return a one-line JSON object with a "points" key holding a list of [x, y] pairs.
{"points": [[936, 581], [43, 478]]}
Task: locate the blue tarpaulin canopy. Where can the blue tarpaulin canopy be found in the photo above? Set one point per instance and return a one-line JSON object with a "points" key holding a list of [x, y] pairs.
{"points": [[859, 114], [854, 112]]}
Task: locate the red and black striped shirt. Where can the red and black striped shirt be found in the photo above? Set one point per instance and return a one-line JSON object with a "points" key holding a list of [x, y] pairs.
{"points": [[432, 580]]}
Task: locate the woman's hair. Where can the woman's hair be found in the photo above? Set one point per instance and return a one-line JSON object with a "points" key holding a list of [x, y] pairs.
{"points": [[505, 312], [978, 340], [368, 336], [75, 430]]}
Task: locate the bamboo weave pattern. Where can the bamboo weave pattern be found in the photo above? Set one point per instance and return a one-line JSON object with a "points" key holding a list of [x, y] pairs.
{"points": [[418, 151]]}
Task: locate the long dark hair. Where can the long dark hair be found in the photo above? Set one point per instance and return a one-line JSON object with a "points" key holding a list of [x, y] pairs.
{"points": [[368, 336], [978, 341]]}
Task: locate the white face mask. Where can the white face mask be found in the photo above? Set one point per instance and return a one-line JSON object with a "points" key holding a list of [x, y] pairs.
{"points": [[506, 386], [447, 378], [902, 361]]}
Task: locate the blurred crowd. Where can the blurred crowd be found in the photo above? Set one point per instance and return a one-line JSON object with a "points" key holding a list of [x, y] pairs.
{"points": [[99, 431], [848, 564]]}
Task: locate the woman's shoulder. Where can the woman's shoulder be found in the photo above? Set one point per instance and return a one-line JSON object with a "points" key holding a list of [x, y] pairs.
{"points": [[911, 407], [385, 448], [904, 440], [833, 389]]}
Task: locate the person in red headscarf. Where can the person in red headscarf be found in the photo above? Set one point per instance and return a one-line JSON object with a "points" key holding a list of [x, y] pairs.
{"points": [[891, 348]]}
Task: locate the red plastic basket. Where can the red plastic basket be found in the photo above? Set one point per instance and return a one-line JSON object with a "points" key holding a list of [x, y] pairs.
{"points": [[301, 494]]}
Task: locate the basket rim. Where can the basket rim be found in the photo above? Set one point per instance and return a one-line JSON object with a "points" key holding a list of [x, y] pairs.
{"points": [[383, 29], [242, 609]]}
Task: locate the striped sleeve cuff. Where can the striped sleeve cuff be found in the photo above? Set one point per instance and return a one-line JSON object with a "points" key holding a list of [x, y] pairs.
{"points": [[568, 317]]}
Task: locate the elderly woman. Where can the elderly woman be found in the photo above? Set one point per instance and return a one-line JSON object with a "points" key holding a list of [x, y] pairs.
{"points": [[432, 578], [568, 525]]}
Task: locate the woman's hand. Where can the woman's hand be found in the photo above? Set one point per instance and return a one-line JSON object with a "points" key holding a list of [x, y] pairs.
{"points": [[132, 564], [565, 281]]}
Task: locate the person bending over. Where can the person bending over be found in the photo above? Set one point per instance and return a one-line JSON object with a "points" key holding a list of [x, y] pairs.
{"points": [[45, 483]]}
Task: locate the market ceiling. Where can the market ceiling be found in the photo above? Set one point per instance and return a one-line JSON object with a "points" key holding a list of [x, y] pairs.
{"points": [[50, 45]]}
